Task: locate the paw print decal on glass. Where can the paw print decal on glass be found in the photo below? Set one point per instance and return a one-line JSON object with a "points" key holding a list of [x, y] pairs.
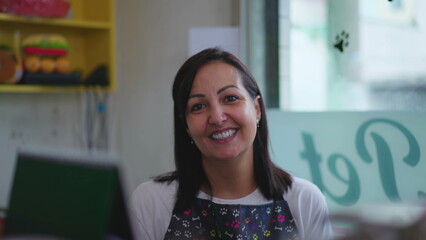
{"points": [[342, 41]]}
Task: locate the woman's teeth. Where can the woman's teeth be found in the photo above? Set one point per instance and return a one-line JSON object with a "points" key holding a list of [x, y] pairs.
{"points": [[224, 135]]}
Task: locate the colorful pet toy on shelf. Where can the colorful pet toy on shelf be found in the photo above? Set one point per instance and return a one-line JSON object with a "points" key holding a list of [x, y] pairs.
{"points": [[46, 61], [41, 8], [10, 65], [46, 53]]}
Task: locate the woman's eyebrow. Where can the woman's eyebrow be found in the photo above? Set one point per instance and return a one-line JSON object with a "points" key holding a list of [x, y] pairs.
{"points": [[226, 87]]}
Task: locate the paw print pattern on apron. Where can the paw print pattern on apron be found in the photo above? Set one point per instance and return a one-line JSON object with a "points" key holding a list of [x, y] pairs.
{"points": [[206, 220]]}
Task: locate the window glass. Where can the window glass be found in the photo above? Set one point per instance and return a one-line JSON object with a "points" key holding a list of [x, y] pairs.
{"points": [[352, 55]]}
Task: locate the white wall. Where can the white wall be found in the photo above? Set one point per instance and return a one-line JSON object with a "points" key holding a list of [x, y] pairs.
{"points": [[152, 44], [39, 119]]}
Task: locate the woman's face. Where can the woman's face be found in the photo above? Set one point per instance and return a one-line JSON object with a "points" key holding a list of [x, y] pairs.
{"points": [[220, 114]]}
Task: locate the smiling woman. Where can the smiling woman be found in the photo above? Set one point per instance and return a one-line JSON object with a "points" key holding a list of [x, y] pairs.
{"points": [[225, 184]]}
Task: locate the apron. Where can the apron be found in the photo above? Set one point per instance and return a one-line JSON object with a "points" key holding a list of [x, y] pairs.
{"points": [[208, 220]]}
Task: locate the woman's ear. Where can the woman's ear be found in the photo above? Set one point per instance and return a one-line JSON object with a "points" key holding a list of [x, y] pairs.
{"points": [[257, 107]]}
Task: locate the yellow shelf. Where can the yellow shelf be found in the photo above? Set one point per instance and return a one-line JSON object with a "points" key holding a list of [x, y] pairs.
{"points": [[47, 89], [36, 88], [90, 33], [12, 19]]}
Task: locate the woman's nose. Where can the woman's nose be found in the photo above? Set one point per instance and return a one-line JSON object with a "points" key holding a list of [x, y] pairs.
{"points": [[217, 115]]}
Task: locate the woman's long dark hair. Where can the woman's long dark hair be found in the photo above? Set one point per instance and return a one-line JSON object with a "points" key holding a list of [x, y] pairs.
{"points": [[189, 173]]}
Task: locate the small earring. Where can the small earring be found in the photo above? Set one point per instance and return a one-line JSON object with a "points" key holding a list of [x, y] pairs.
{"points": [[192, 142], [257, 122]]}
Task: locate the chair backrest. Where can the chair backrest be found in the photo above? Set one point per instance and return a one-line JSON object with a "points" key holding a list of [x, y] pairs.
{"points": [[73, 196]]}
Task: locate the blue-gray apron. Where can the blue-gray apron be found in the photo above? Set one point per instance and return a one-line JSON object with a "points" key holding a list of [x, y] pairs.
{"points": [[207, 220]]}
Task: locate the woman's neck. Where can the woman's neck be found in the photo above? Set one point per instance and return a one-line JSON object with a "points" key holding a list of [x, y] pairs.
{"points": [[229, 179]]}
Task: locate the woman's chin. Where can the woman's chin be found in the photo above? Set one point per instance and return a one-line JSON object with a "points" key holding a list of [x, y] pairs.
{"points": [[226, 156]]}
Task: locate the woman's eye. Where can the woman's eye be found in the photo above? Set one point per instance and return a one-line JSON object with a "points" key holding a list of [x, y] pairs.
{"points": [[197, 107], [231, 98]]}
